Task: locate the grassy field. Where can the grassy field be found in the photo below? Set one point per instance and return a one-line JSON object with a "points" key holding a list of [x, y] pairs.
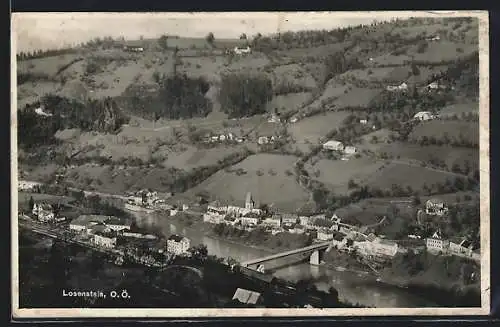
{"points": [[459, 108], [119, 180], [450, 155], [273, 186], [310, 129], [356, 97], [293, 75], [48, 65], [337, 173], [289, 102], [405, 175], [453, 129], [24, 197]]}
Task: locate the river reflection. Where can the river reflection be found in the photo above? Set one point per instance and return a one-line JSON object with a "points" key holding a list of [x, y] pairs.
{"points": [[352, 287]]}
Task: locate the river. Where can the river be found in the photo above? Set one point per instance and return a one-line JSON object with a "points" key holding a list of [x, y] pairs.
{"points": [[352, 287]]}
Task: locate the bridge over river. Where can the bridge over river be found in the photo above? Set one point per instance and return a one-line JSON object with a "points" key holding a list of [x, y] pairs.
{"points": [[274, 261]]}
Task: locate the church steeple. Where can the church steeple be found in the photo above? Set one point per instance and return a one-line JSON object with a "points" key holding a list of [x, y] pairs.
{"points": [[249, 203]]}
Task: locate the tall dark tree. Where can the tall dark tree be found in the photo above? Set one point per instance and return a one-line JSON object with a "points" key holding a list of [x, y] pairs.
{"points": [[31, 203]]}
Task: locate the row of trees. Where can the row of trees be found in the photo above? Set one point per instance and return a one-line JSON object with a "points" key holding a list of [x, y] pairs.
{"points": [[177, 97], [39, 53]]}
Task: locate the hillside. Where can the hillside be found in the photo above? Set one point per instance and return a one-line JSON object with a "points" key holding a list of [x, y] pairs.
{"points": [[149, 119]]}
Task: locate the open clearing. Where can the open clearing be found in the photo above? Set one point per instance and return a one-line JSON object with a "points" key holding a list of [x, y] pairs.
{"points": [[24, 197], [450, 155], [337, 173], [274, 186], [289, 102], [459, 108]]}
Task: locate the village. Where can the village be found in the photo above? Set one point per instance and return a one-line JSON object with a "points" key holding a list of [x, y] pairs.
{"points": [[123, 237]]}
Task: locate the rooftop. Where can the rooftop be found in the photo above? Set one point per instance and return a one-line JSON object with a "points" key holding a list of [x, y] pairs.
{"points": [[118, 221], [246, 296], [176, 238], [84, 220]]}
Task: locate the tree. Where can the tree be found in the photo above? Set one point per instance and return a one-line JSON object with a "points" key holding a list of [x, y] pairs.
{"points": [[163, 42], [414, 69], [31, 203], [243, 95], [210, 38], [243, 36]]}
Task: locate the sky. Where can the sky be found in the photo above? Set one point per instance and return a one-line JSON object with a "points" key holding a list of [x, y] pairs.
{"points": [[54, 30]]}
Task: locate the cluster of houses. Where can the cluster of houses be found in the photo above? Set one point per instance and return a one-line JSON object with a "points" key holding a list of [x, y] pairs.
{"points": [[146, 200], [462, 247], [28, 186], [44, 212], [393, 88], [343, 236], [107, 231], [223, 137]]}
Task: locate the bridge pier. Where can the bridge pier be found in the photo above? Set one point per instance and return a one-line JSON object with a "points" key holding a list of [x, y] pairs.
{"points": [[316, 257]]}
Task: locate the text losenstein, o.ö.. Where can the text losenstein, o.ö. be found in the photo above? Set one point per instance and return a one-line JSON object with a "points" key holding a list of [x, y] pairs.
{"points": [[122, 294]]}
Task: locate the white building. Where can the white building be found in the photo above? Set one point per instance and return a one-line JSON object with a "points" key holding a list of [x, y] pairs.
{"points": [[423, 115], [333, 146], [263, 140], [304, 221], [27, 185], [402, 87], [249, 220], [289, 218], [377, 248], [177, 244], [436, 244], [117, 224], [349, 150], [324, 235], [363, 121], [462, 247], [272, 221], [435, 207], [103, 239], [240, 51], [84, 222], [214, 215]]}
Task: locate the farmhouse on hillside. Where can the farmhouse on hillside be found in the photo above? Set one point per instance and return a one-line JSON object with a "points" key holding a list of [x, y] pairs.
{"points": [[333, 145], [133, 46], [350, 150], [240, 51], [28, 185], [423, 116], [435, 207], [402, 87]]}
